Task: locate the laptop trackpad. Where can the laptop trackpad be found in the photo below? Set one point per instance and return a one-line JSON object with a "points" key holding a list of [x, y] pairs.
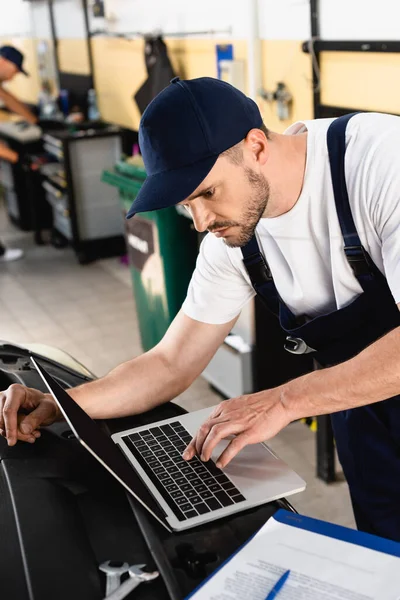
{"points": [[254, 465]]}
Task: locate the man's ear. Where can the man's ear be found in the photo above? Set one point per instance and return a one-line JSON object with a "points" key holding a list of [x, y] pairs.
{"points": [[257, 144]]}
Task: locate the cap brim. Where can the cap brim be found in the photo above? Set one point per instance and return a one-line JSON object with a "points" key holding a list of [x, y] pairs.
{"points": [[166, 189]]}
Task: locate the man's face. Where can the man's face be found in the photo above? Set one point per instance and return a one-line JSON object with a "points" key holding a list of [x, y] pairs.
{"points": [[7, 70], [229, 202]]}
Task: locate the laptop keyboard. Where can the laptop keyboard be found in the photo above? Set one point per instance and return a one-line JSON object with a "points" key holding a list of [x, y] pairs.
{"points": [[190, 488]]}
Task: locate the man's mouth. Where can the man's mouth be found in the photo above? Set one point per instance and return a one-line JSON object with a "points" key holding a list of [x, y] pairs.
{"points": [[220, 232]]}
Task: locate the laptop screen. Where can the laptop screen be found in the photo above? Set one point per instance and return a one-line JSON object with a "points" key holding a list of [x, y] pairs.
{"points": [[100, 444]]}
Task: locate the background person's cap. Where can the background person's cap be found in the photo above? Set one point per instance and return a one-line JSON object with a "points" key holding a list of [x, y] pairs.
{"points": [[13, 55], [183, 131]]}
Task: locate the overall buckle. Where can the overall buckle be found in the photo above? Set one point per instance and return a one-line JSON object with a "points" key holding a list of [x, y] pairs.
{"points": [[296, 345], [257, 269], [359, 260]]}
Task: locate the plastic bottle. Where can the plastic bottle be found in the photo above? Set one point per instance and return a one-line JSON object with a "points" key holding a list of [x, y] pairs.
{"points": [[93, 111]]}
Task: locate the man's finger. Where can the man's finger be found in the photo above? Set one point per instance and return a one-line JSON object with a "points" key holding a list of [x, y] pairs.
{"points": [[219, 432], [201, 436], [205, 429], [196, 444], [190, 450], [29, 423], [233, 448], [217, 412], [2, 401], [11, 406], [26, 438], [22, 437]]}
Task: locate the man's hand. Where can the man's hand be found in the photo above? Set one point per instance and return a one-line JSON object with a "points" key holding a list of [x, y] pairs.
{"points": [[14, 105], [8, 154], [251, 419], [22, 411], [14, 157]]}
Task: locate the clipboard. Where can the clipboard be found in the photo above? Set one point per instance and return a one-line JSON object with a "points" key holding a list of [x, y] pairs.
{"points": [[318, 554]]}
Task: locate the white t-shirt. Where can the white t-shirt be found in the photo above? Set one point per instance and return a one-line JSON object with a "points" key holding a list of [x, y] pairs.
{"points": [[304, 247]]}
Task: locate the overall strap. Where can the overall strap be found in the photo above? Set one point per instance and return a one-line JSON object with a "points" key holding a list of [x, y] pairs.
{"points": [[260, 275], [357, 257]]}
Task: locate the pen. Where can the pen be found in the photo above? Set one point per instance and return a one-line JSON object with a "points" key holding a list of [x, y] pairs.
{"points": [[278, 586]]}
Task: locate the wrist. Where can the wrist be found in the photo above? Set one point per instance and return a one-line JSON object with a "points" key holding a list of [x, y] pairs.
{"points": [[274, 402], [317, 393], [294, 400], [58, 416]]}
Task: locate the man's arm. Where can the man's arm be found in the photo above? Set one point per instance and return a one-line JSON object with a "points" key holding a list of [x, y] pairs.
{"points": [[371, 376], [14, 105], [158, 375], [8, 154], [133, 387]]}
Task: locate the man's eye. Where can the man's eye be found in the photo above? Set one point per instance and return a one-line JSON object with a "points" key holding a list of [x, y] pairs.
{"points": [[209, 193]]}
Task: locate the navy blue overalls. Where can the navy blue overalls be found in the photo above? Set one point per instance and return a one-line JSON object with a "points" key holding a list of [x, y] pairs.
{"points": [[368, 437]]}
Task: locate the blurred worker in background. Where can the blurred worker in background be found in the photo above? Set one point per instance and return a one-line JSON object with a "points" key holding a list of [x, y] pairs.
{"points": [[11, 63]]}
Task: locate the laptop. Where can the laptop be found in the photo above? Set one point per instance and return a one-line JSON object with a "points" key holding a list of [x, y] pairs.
{"points": [[148, 462]]}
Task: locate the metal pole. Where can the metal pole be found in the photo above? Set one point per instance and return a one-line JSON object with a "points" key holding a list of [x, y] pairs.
{"points": [[325, 448], [129, 34], [314, 14], [253, 52], [88, 40], [54, 37]]}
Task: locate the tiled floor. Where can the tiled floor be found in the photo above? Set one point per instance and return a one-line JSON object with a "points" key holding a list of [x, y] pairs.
{"points": [[89, 312]]}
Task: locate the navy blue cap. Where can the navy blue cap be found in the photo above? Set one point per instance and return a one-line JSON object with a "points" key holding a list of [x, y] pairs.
{"points": [[183, 131], [13, 55]]}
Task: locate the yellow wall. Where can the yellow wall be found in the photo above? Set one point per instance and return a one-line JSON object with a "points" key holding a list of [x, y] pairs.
{"points": [[119, 70], [363, 80], [73, 57]]}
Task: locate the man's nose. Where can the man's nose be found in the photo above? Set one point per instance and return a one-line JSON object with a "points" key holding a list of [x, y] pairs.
{"points": [[201, 219]]}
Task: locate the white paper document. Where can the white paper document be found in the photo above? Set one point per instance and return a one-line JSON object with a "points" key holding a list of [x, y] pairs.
{"points": [[326, 562]]}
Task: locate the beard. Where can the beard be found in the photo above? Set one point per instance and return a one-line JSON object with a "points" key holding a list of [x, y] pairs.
{"points": [[255, 207]]}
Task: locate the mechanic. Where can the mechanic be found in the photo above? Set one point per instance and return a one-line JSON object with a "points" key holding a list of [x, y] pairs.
{"points": [[310, 221], [11, 63]]}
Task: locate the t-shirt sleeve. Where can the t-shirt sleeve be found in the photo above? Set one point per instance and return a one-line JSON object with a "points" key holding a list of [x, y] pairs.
{"points": [[386, 210], [390, 237], [218, 289]]}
